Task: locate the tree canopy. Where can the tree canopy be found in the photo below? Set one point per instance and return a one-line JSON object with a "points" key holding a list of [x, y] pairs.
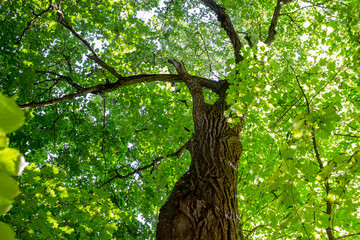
{"points": [[105, 87]]}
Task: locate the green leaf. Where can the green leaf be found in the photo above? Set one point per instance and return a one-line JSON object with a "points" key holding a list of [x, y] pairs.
{"points": [[8, 186], [5, 205], [8, 161], [62, 192], [6, 233], [4, 142], [11, 118]]}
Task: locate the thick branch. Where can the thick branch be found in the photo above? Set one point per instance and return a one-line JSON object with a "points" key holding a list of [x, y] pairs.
{"points": [[272, 29], [106, 66], [213, 85], [227, 25], [193, 85]]}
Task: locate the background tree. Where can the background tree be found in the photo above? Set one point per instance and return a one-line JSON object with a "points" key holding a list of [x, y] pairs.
{"points": [[124, 99]]}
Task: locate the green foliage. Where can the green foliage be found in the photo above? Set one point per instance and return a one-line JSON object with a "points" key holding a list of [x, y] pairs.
{"points": [[11, 162], [60, 210], [300, 97]]}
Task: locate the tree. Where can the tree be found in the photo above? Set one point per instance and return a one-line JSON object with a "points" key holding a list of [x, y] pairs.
{"points": [[134, 105]]}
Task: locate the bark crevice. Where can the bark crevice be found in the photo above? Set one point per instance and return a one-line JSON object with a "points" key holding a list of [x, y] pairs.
{"points": [[203, 203]]}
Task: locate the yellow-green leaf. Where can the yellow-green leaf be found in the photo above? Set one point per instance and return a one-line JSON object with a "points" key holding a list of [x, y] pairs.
{"points": [[6, 233], [11, 118]]}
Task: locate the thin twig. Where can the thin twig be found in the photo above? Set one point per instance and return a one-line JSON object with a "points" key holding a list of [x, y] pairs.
{"points": [[255, 228], [63, 112], [295, 23], [61, 78], [318, 157], [207, 52], [346, 135], [317, 153], [265, 206], [103, 138], [353, 128], [33, 20], [151, 165], [327, 83], [296, 211], [349, 235], [94, 57], [302, 90], [288, 110], [299, 9]]}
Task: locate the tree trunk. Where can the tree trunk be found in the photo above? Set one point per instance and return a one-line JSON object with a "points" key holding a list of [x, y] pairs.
{"points": [[203, 203]]}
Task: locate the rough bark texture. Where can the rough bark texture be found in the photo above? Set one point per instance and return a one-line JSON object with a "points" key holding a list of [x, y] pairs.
{"points": [[203, 203]]}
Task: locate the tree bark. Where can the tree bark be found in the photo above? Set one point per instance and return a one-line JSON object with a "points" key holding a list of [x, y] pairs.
{"points": [[203, 203]]}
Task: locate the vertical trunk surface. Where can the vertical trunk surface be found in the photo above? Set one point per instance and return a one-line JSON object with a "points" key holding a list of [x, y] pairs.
{"points": [[203, 203]]}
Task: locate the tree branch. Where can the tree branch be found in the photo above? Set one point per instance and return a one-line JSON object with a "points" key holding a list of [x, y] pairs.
{"points": [[248, 39], [288, 110], [58, 117], [93, 57], [329, 205], [255, 228], [61, 78], [328, 82], [106, 66], [274, 21], [346, 135], [33, 20], [316, 149], [296, 210], [157, 160], [350, 235], [206, 51], [299, 9], [263, 207], [227, 25], [193, 85], [213, 85]]}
